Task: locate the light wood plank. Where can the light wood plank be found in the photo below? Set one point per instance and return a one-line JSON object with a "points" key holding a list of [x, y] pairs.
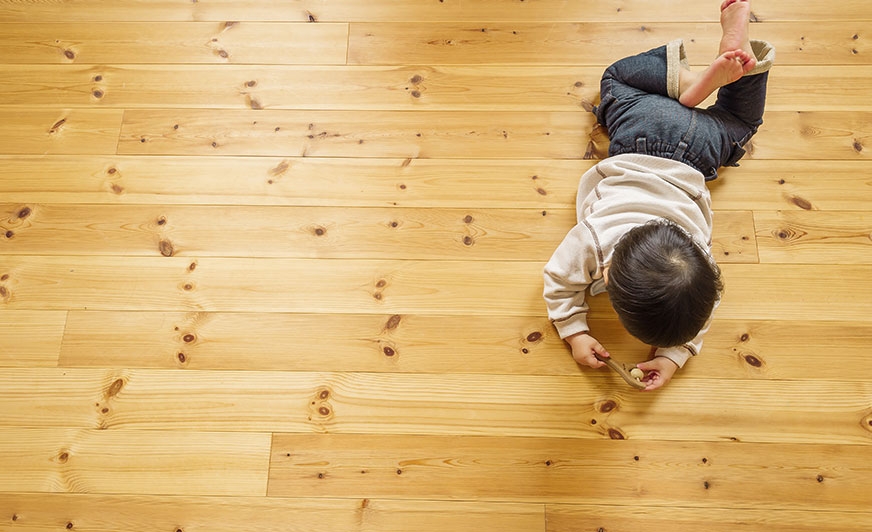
{"points": [[387, 10], [754, 291], [814, 237], [733, 237], [388, 43], [100, 461], [795, 88], [273, 514], [372, 343], [578, 518], [794, 185], [303, 232], [783, 349], [71, 131], [439, 87], [812, 135], [462, 183], [313, 232], [447, 134], [30, 338], [573, 406], [173, 42], [301, 87], [289, 285], [734, 349], [541, 469]]}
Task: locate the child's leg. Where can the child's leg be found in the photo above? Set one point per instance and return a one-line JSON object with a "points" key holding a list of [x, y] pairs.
{"points": [[746, 97], [736, 57], [645, 72]]}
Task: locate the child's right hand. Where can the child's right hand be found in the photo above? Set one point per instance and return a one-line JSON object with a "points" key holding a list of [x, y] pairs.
{"points": [[583, 348]]}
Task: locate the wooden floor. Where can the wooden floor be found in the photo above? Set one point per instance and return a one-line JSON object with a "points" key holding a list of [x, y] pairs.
{"points": [[277, 266]]}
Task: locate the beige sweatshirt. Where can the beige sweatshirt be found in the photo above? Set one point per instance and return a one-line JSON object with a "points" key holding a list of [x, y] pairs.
{"points": [[614, 196]]}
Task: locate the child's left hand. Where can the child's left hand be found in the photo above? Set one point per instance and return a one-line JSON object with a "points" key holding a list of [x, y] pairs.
{"points": [[659, 372]]}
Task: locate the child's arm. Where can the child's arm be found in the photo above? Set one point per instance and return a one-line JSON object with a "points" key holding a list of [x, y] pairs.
{"points": [[567, 276]]}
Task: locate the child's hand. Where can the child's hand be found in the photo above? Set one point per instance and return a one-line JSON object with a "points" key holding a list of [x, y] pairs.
{"points": [[583, 348], [659, 371]]}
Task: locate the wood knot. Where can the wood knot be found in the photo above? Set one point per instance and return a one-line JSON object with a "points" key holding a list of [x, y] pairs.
{"points": [[607, 406], [389, 351], [115, 388], [166, 248], [64, 457], [802, 203], [753, 361], [393, 322], [324, 395], [24, 213], [615, 434], [534, 336], [188, 338]]}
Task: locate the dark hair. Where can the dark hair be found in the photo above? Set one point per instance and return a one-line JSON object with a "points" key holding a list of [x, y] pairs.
{"points": [[662, 284]]}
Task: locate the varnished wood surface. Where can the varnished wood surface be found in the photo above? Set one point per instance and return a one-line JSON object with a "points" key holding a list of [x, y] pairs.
{"points": [[277, 266]]}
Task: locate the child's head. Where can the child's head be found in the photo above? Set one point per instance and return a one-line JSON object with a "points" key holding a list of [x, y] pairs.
{"points": [[662, 284]]}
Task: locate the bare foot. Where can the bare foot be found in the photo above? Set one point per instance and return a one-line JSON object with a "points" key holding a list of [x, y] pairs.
{"points": [[695, 87], [735, 18]]}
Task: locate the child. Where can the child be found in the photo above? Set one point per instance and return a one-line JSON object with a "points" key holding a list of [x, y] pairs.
{"points": [[644, 213]]}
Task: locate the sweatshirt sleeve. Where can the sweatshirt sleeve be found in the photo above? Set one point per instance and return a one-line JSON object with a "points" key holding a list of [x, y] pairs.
{"points": [[568, 274]]}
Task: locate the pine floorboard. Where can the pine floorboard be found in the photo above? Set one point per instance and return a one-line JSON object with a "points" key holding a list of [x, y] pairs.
{"points": [[277, 266]]}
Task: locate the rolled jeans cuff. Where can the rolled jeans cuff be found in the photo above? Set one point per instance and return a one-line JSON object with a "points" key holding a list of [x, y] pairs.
{"points": [[765, 55], [676, 59]]}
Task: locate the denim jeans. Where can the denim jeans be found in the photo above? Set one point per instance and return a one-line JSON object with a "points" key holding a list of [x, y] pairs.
{"points": [[641, 118]]}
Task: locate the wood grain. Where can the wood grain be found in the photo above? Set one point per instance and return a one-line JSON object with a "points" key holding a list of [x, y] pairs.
{"points": [[583, 43], [463, 183], [578, 518], [172, 42], [31, 338], [314, 232], [764, 291], [566, 406], [375, 182], [355, 134], [273, 514], [821, 237], [135, 462], [734, 349], [62, 131], [363, 87], [386, 10], [448, 134], [556, 470]]}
